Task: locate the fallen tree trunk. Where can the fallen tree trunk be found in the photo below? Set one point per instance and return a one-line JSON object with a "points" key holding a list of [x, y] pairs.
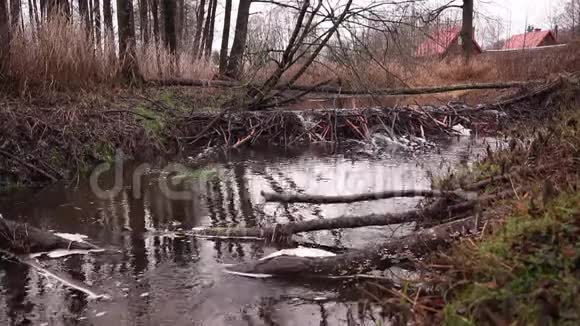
{"points": [[21, 238], [440, 210], [339, 90], [321, 199], [360, 261]]}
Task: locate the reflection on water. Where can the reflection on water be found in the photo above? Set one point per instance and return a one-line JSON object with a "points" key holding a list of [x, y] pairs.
{"points": [[155, 278]]}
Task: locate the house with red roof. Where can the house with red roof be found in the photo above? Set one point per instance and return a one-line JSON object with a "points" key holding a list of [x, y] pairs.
{"points": [[533, 39], [444, 42]]}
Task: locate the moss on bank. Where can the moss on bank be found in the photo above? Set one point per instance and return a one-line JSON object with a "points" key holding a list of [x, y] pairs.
{"points": [[526, 271]]}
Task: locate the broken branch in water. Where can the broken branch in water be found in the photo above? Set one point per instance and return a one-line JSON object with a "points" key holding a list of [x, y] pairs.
{"points": [[66, 281], [21, 238], [320, 199], [440, 210], [360, 261]]}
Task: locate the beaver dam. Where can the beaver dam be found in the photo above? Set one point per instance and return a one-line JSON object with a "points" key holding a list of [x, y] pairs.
{"points": [[209, 241]]}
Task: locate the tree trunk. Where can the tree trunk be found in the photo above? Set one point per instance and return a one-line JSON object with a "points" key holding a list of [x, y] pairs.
{"points": [[108, 19], [209, 44], [225, 38], [155, 14], [234, 69], [467, 29], [181, 23], [84, 13], [31, 17], [198, 26], [91, 26], [169, 20], [205, 33], [127, 52], [35, 10], [97, 18], [15, 7], [144, 21], [4, 38]]}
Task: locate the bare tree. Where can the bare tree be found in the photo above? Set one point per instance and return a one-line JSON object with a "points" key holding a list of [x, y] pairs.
{"points": [[169, 20], [206, 29], [127, 51], [97, 20], [15, 7], [298, 49], [108, 19], [209, 44], [198, 27], [84, 12], [4, 37], [144, 21], [181, 22], [467, 28], [234, 69], [225, 38], [155, 14]]}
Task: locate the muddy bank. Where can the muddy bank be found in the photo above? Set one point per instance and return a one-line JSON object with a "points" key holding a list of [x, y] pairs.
{"points": [[45, 140]]}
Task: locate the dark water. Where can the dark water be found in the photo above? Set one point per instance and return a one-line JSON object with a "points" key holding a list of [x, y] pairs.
{"points": [[155, 278]]}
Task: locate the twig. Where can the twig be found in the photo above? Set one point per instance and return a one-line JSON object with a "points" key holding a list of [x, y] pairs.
{"points": [[28, 165]]}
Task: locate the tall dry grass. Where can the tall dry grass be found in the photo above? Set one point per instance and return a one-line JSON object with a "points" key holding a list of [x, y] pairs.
{"points": [[61, 56], [156, 62]]}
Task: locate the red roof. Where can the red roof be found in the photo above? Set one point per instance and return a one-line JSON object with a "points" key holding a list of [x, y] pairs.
{"points": [[440, 41], [528, 40]]}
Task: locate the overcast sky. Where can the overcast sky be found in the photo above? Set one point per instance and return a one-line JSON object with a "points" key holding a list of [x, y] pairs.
{"points": [[517, 13]]}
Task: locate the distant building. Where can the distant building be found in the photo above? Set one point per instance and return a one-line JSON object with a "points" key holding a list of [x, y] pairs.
{"points": [[444, 42], [534, 39]]}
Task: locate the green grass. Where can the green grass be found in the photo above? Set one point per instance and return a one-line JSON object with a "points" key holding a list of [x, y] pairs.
{"points": [[153, 122], [527, 272]]}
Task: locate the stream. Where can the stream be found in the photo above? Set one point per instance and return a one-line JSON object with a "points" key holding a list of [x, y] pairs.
{"points": [[155, 277]]}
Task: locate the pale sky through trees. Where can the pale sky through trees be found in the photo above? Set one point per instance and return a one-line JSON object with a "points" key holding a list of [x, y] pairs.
{"points": [[513, 15]]}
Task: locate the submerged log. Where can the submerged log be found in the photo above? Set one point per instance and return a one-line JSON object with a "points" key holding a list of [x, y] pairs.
{"points": [[21, 238], [440, 210], [321, 199], [360, 261]]}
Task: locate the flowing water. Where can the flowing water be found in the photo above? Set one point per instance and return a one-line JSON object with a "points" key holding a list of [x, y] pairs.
{"points": [[154, 277]]}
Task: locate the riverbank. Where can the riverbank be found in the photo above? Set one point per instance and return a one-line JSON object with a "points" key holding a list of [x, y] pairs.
{"points": [[523, 267]]}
